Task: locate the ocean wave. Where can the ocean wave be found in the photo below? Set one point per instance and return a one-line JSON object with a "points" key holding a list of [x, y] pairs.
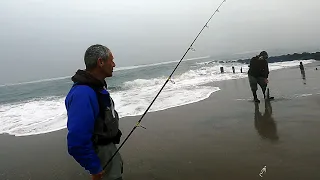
{"points": [[43, 115], [157, 64]]}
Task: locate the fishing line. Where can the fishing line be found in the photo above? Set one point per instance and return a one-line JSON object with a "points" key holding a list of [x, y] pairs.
{"points": [[169, 79]]}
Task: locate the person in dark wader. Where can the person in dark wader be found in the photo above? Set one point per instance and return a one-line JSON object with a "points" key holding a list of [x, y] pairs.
{"points": [[93, 123], [258, 74]]}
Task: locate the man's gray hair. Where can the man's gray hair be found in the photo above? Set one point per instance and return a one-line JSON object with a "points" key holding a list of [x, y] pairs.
{"points": [[93, 53]]}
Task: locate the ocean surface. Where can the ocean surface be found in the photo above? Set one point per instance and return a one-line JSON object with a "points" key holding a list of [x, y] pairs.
{"points": [[38, 107]]}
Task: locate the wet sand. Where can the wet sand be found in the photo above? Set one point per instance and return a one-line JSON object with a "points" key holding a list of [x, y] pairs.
{"points": [[223, 137]]}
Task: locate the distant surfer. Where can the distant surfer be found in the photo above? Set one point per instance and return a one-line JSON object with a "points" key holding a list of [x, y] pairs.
{"points": [[93, 123], [258, 74]]}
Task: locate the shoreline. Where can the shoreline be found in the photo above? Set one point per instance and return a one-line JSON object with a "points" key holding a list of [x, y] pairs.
{"points": [[215, 84]]}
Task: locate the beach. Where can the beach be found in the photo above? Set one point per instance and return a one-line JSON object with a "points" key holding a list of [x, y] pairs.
{"points": [[222, 137]]}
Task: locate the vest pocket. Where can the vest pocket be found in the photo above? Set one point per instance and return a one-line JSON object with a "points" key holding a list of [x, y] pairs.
{"points": [[111, 124], [107, 128]]}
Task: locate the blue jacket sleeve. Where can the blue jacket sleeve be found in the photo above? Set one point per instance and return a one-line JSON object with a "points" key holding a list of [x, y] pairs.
{"points": [[82, 109]]}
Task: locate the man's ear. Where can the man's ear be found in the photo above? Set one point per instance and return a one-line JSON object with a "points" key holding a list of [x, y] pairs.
{"points": [[99, 62]]}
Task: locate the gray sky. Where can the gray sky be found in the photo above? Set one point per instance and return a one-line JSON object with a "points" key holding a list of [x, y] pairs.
{"points": [[45, 38]]}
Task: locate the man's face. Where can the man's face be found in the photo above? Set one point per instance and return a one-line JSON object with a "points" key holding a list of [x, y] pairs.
{"points": [[107, 65]]}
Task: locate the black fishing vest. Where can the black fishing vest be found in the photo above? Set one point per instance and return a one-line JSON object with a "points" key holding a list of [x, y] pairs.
{"points": [[106, 127]]}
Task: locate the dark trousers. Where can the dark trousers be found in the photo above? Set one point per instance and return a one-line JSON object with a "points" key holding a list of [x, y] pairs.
{"points": [[254, 81]]}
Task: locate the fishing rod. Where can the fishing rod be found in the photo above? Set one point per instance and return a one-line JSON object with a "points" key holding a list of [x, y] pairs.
{"points": [[139, 122]]}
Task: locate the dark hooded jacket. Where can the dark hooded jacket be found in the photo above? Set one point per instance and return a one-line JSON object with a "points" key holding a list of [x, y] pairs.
{"points": [[258, 67]]}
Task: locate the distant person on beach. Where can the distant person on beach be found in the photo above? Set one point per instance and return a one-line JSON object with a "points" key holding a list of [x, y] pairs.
{"points": [[258, 74], [93, 123], [303, 73], [301, 66]]}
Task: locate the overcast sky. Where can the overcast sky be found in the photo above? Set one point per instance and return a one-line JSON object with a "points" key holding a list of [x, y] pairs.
{"points": [[47, 38]]}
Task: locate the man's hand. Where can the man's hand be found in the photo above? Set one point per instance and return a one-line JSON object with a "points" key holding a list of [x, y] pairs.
{"points": [[97, 176], [266, 80]]}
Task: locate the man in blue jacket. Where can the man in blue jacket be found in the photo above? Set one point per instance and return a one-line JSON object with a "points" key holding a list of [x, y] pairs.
{"points": [[93, 123]]}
